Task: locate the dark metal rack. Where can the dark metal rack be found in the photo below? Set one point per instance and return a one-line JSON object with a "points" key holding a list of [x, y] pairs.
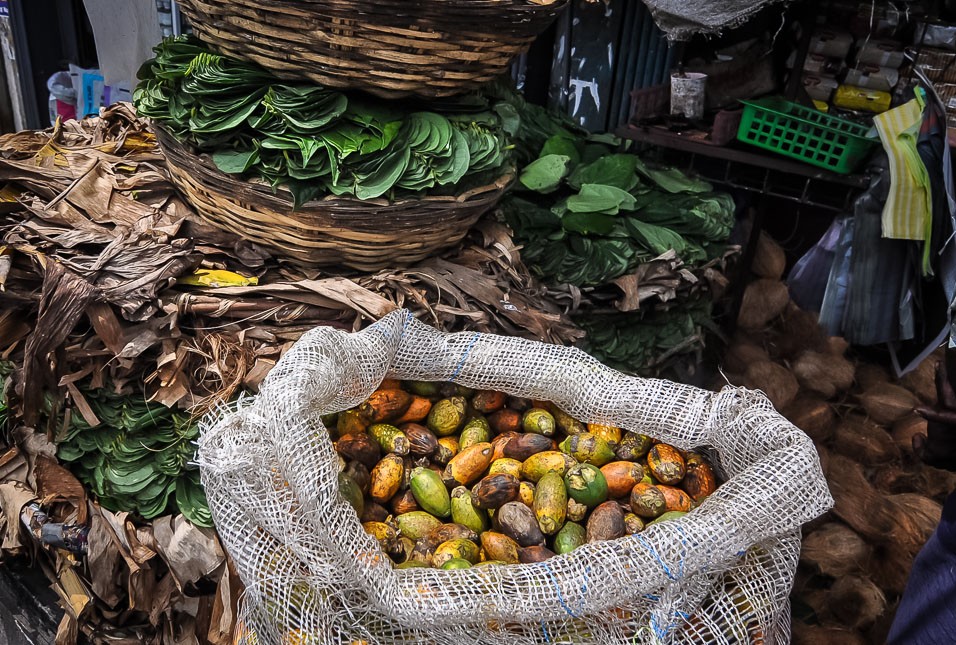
{"points": [[763, 174]]}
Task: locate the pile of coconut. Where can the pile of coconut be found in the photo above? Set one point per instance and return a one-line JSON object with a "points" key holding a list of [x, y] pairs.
{"points": [[856, 559]]}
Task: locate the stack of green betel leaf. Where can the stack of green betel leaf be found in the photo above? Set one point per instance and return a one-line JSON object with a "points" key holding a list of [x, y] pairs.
{"points": [[316, 141], [589, 214], [137, 458]]}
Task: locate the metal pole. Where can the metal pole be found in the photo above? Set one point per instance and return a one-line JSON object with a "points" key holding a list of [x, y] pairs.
{"points": [[177, 20]]}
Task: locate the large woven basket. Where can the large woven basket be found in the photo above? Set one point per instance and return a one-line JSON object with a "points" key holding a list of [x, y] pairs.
{"points": [[391, 48], [366, 235]]}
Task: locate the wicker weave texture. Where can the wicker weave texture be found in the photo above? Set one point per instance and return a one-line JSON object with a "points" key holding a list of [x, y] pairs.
{"points": [[390, 48], [365, 235]]}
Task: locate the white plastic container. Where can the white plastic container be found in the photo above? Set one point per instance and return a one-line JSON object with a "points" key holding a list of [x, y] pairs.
{"points": [[688, 95]]}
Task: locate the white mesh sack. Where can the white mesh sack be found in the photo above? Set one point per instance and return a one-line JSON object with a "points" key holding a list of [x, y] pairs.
{"points": [[720, 574]]}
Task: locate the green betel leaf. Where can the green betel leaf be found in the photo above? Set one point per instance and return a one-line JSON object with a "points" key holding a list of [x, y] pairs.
{"points": [[380, 180], [561, 144], [618, 170], [598, 198], [544, 175], [588, 223], [235, 162], [673, 180]]}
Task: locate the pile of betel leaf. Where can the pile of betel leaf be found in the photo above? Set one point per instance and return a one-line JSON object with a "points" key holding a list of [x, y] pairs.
{"points": [[315, 141], [587, 214], [137, 459]]}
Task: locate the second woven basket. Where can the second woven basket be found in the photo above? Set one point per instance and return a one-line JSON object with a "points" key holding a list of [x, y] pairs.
{"points": [[390, 48]]}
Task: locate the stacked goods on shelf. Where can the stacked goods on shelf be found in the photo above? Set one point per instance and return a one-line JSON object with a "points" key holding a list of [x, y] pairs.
{"points": [[855, 559], [939, 66], [622, 238]]}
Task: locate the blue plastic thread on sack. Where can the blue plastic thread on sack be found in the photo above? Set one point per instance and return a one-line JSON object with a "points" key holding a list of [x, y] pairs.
{"points": [[660, 561], [544, 630], [554, 581], [464, 357]]}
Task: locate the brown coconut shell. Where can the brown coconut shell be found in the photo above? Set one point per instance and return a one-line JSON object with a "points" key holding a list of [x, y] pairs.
{"points": [[804, 634], [886, 403], [890, 568], [774, 380], [741, 354], [869, 375], [769, 261], [813, 415], [855, 601], [922, 381], [935, 483], [893, 479], [917, 518], [835, 550], [858, 503], [763, 301], [905, 429], [797, 331], [837, 345], [822, 373], [862, 440]]}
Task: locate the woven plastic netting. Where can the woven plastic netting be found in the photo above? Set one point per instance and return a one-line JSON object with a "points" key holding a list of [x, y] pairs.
{"points": [[721, 574]]}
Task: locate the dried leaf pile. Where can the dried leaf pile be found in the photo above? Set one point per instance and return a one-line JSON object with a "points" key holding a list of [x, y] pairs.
{"points": [[123, 317], [856, 559]]}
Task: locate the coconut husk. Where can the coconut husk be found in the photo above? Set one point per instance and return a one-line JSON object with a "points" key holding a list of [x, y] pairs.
{"points": [[813, 415], [769, 261], [863, 441], [922, 381], [914, 519], [858, 503], [823, 373], [837, 345], [774, 380], [890, 568], [804, 634], [763, 301], [886, 403], [917, 518], [905, 429], [892, 479], [856, 601], [741, 354], [935, 483], [835, 550], [869, 375], [797, 331]]}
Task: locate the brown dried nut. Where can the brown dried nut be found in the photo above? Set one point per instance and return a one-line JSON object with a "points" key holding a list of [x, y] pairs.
{"points": [[359, 447], [518, 522], [494, 491], [606, 523]]}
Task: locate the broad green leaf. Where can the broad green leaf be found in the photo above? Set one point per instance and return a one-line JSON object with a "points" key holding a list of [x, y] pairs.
{"points": [[561, 144], [616, 170], [545, 174], [598, 198], [588, 223], [235, 162], [673, 180]]}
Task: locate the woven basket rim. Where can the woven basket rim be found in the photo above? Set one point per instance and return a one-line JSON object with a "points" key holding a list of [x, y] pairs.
{"points": [[174, 149]]}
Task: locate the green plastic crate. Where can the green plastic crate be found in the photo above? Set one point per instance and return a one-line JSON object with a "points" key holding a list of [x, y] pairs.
{"points": [[804, 133]]}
